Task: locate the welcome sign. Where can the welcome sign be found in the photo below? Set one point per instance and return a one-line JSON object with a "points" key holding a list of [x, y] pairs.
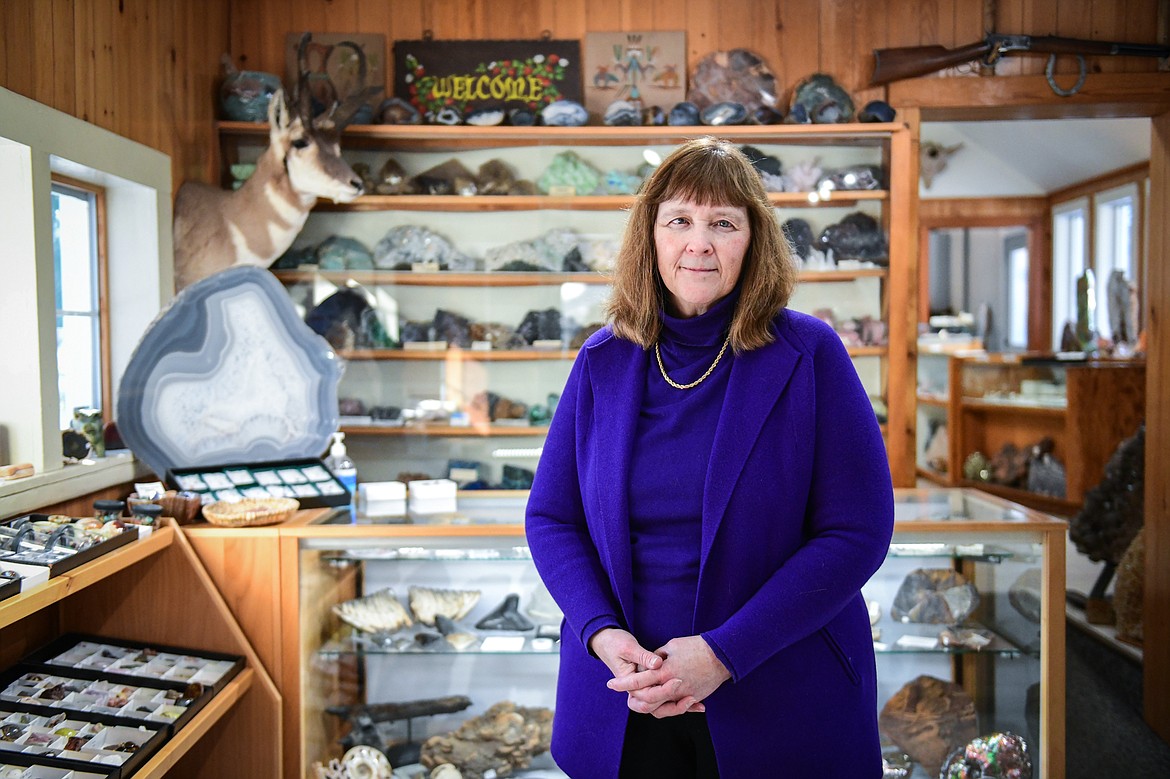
{"points": [[463, 76]]}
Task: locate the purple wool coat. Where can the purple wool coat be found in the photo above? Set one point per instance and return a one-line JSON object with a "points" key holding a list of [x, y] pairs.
{"points": [[797, 515]]}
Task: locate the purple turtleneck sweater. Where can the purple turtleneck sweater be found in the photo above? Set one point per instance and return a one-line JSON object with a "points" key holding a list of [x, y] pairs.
{"points": [[676, 429]]}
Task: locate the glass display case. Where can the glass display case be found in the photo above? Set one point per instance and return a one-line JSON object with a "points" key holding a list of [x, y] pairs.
{"points": [[971, 595]]}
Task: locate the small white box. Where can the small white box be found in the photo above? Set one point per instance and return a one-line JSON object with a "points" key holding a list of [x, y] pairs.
{"points": [[381, 498], [431, 496]]}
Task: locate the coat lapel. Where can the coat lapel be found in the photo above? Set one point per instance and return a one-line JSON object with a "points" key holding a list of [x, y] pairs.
{"points": [[618, 377], [757, 380]]}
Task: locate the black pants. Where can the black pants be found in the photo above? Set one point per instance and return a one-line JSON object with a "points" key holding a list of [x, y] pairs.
{"points": [[669, 748]]}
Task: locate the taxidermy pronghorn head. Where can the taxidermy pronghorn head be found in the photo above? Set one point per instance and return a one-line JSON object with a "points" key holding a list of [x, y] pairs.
{"points": [[215, 228], [932, 159]]}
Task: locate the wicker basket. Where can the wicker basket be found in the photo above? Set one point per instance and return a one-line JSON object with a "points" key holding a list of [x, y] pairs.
{"points": [[250, 512]]}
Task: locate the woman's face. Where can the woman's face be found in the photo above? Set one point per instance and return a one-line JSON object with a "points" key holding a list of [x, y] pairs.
{"points": [[700, 253]]}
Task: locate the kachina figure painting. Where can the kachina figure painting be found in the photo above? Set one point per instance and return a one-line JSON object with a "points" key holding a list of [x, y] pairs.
{"points": [[644, 68]]}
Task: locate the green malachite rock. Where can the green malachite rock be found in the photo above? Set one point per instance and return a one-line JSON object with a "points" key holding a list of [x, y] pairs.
{"points": [[569, 170]]}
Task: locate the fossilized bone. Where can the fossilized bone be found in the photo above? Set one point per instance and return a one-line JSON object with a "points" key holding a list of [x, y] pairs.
{"points": [[215, 228]]}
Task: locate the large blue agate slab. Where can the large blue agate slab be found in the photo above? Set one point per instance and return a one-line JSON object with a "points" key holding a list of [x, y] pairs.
{"points": [[229, 373]]}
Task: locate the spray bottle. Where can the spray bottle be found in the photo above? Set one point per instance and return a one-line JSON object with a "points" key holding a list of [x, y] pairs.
{"points": [[341, 466]]}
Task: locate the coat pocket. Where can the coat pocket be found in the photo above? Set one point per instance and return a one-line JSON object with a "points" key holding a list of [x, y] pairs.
{"points": [[842, 657]]}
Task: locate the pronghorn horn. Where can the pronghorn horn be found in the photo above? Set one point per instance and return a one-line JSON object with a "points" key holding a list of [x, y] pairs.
{"points": [[302, 95], [358, 95]]}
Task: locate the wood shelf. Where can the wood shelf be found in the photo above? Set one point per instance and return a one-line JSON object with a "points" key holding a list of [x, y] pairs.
{"points": [[471, 203], [173, 750], [513, 279], [932, 399], [60, 587], [933, 476], [1012, 409], [1033, 500], [442, 138], [446, 431], [456, 353]]}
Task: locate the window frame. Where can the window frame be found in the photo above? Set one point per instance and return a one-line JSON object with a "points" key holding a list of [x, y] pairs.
{"points": [[103, 282]]}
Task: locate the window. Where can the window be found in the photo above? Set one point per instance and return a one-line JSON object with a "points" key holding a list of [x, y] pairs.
{"points": [[1069, 239], [79, 271], [1116, 240], [1016, 254]]}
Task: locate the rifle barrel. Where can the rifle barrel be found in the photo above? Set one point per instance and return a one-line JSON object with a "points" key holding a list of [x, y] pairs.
{"points": [[1051, 44]]}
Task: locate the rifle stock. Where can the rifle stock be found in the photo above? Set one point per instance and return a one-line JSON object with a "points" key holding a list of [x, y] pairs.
{"points": [[910, 61]]}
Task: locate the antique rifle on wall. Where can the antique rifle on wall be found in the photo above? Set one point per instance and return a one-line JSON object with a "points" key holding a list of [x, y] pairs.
{"points": [[910, 61]]}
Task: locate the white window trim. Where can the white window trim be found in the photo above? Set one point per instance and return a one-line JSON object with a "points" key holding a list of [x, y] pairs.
{"points": [[36, 141], [1060, 285]]}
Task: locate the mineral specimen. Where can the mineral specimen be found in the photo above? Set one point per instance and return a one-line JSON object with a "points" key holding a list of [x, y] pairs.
{"points": [[427, 603], [500, 741], [341, 253], [622, 113], [453, 328], [825, 101], [736, 75], [506, 616], [857, 237], [1128, 593], [1114, 509], [571, 174], [448, 178], [935, 595], [562, 113], [929, 718], [377, 612], [995, 756], [404, 245], [541, 325], [683, 114], [1024, 594], [724, 113]]}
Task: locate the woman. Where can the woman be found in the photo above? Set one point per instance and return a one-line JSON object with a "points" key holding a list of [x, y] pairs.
{"points": [[713, 493]]}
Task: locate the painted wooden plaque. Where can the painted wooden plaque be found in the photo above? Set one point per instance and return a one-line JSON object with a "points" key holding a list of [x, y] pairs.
{"points": [[649, 67], [464, 76]]}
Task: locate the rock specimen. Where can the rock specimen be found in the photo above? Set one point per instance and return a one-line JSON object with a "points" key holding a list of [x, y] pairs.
{"points": [[427, 603], [374, 613], [995, 756], [498, 335], [341, 253], [856, 237], [736, 76], [545, 253], [506, 616], [929, 718], [541, 326], [1113, 510], [447, 178], [935, 595], [405, 245], [569, 174], [1128, 593], [487, 406], [822, 99], [1024, 594], [502, 740]]}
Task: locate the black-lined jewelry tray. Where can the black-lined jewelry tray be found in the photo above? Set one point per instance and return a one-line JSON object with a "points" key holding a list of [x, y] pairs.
{"points": [[43, 540], [306, 479]]}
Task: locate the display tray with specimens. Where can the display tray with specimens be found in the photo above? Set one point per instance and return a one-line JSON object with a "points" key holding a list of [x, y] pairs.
{"points": [[57, 542], [306, 479], [19, 766], [172, 704], [134, 661], [76, 741]]}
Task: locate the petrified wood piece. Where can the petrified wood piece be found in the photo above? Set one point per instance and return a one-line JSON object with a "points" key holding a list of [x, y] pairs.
{"points": [[929, 718]]}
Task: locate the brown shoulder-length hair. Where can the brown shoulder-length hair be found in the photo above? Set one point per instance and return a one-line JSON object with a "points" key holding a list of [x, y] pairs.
{"points": [[710, 172]]}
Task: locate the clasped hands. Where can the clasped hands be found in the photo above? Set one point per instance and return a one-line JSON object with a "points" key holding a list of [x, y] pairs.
{"points": [[672, 680]]}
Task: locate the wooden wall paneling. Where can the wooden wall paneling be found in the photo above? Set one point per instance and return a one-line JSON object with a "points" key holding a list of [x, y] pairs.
{"points": [[567, 20], [798, 52], [1156, 650], [20, 70], [872, 24], [838, 36]]}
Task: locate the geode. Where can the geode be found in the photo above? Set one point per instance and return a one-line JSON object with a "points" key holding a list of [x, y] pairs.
{"points": [[935, 595], [929, 718], [1113, 510], [994, 756], [738, 76], [856, 237], [502, 740]]}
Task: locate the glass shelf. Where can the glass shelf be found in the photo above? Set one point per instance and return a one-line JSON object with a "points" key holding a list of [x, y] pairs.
{"points": [[895, 632]]}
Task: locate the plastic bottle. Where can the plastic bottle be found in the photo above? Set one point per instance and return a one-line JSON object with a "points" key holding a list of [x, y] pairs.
{"points": [[341, 466]]}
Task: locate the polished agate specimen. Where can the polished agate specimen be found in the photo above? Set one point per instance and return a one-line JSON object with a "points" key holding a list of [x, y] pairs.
{"points": [[229, 373]]}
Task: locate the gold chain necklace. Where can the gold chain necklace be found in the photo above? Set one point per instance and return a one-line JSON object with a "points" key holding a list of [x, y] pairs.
{"points": [[697, 381]]}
